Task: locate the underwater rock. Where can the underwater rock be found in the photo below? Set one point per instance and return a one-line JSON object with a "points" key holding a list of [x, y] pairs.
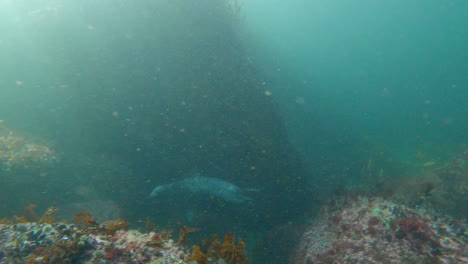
{"points": [[443, 188], [374, 230], [19, 153], [65, 243]]}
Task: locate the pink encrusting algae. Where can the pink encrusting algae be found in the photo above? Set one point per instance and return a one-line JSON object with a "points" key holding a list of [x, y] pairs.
{"points": [[374, 230]]}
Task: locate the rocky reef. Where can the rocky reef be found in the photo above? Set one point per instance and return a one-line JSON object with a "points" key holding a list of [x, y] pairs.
{"points": [[30, 239], [417, 219], [67, 243], [358, 229], [20, 153], [443, 188]]}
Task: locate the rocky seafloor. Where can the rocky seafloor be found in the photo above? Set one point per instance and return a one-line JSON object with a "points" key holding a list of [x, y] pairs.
{"points": [[88, 242], [373, 230], [350, 229], [65, 243]]}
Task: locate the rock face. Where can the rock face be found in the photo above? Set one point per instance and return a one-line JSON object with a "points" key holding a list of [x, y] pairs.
{"points": [[21, 156], [373, 230], [64, 243], [25, 166], [444, 188]]}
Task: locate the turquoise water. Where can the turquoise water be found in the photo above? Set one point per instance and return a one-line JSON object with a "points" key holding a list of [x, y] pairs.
{"points": [[391, 73], [102, 101]]}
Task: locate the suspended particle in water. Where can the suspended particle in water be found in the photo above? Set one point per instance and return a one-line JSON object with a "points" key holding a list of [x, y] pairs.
{"points": [[267, 93], [385, 92], [300, 100]]}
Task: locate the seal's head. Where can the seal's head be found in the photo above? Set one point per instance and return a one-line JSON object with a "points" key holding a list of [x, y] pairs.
{"points": [[157, 191]]}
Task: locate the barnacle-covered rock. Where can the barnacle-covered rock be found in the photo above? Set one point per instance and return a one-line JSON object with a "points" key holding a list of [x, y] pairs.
{"points": [[374, 230], [23, 240], [66, 243]]}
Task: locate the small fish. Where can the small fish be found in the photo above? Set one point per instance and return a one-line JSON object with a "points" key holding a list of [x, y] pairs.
{"points": [[204, 186]]}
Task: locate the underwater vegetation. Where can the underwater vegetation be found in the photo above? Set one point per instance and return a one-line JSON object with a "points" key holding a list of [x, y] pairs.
{"points": [[359, 229], [17, 153], [183, 232], [213, 250], [440, 189], [31, 239]]}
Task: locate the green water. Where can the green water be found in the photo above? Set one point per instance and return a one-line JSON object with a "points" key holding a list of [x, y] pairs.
{"points": [[392, 73], [291, 98]]}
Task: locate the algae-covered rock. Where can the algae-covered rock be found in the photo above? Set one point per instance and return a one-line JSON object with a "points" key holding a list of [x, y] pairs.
{"points": [[374, 230], [18, 153]]}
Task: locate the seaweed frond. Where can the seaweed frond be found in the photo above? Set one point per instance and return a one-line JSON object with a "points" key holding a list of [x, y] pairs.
{"points": [[112, 226], [198, 255], [48, 217], [183, 231], [28, 213], [85, 218], [228, 250]]}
